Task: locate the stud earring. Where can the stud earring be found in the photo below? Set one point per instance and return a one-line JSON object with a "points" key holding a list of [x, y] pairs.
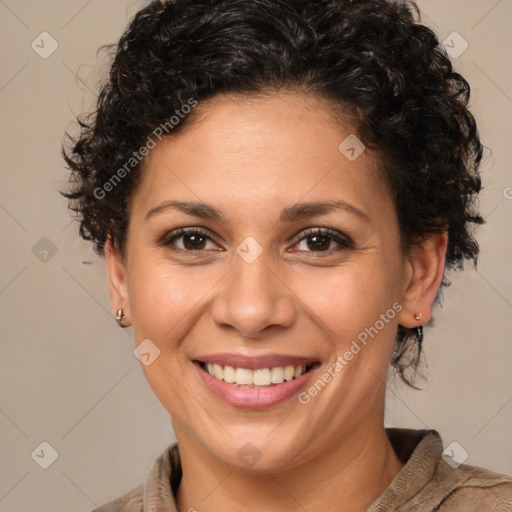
{"points": [[120, 318], [418, 316]]}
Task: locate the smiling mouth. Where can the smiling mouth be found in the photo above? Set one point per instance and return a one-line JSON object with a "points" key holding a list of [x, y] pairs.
{"points": [[259, 378]]}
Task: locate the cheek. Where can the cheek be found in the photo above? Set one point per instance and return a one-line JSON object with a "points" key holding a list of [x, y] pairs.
{"points": [[359, 304], [348, 298], [165, 304], [163, 301]]}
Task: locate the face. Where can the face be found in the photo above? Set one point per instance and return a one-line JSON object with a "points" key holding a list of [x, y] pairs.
{"points": [[255, 244]]}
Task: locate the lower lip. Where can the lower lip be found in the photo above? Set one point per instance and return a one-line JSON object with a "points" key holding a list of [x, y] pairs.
{"points": [[254, 398]]}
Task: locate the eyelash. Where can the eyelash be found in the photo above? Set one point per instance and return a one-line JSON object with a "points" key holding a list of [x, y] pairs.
{"points": [[344, 241]]}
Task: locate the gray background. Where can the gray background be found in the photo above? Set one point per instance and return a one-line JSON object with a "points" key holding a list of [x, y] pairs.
{"points": [[67, 372]]}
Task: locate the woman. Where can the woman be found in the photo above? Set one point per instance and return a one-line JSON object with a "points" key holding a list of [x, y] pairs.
{"points": [[279, 188]]}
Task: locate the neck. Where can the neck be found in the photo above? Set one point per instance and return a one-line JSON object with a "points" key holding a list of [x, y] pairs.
{"points": [[352, 475]]}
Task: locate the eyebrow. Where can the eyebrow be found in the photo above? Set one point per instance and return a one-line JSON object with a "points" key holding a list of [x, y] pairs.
{"points": [[288, 215]]}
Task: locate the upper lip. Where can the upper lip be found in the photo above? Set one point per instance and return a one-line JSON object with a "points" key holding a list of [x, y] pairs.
{"points": [[255, 362]]}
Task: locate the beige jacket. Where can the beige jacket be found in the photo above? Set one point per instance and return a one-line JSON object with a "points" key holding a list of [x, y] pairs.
{"points": [[427, 483]]}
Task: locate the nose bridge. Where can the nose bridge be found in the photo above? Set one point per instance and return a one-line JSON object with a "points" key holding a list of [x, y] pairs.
{"points": [[253, 297], [252, 276]]}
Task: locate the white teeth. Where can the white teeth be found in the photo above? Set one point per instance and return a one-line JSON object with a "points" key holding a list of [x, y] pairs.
{"points": [[289, 372], [277, 374], [218, 371], [260, 377], [243, 376], [229, 374]]}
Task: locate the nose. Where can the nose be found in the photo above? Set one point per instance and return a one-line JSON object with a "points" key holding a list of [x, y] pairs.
{"points": [[253, 300]]}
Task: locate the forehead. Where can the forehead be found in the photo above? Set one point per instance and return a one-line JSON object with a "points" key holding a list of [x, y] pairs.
{"points": [[259, 151]]}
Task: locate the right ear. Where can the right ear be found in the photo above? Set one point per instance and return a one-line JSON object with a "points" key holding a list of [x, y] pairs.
{"points": [[117, 280]]}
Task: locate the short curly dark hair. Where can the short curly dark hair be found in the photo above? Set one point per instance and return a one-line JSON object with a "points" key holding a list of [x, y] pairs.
{"points": [[369, 58]]}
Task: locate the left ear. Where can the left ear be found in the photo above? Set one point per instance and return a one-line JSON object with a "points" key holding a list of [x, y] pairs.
{"points": [[425, 270], [117, 280]]}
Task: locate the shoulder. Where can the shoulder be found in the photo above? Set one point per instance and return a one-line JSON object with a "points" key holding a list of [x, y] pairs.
{"points": [[157, 490], [472, 489], [129, 502], [432, 480]]}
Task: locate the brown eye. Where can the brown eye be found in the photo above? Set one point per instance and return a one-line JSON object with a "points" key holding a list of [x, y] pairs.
{"points": [[320, 240], [188, 240], [193, 241]]}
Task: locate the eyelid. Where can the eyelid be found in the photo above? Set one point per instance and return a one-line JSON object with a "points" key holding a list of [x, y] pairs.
{"points": [[340, 238], [165, 240], [335, 235]]}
